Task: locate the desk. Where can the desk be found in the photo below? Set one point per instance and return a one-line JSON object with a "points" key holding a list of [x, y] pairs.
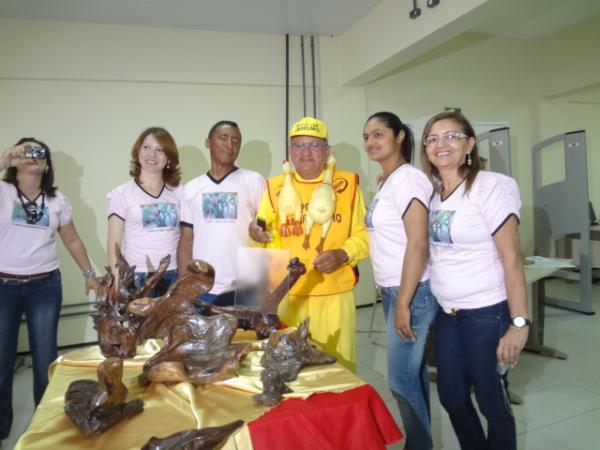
{"points": [[594, 252], [534, 277], [332, 409]]}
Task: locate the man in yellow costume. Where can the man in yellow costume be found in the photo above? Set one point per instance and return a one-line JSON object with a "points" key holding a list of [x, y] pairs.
{"points": [[325, 292]]}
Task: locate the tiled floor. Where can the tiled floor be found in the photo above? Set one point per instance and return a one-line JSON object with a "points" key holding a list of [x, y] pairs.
{"points": [[561, 409]]}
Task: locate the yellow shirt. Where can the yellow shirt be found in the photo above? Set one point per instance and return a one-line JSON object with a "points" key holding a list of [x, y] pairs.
{"points": [[347, 232]]}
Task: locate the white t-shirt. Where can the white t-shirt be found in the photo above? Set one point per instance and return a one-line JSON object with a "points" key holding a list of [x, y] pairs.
{"points": [[219, 211], [151, 229], [30, 248], [385, 224], [466, 271]]}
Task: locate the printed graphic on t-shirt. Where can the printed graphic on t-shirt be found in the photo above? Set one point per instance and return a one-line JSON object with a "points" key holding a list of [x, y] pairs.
{"points": [[159, 215], [440, 225], [369, 215], [220, 205], [20, 217]]}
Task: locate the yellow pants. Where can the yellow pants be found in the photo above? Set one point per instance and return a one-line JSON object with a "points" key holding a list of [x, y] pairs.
{"points": [[332, 322]]}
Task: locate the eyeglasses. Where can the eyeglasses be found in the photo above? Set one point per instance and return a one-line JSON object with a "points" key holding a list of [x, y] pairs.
{"points": [[311, 146], [451, 136]]}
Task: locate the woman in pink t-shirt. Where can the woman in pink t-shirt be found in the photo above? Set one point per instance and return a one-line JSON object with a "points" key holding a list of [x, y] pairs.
{"points": [[32, 211], [397, 226], [477, 276], [143, 214]]}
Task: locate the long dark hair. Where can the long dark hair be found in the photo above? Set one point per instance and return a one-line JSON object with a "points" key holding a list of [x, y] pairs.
{"points": [[47, 183], [172, 171], [466, 171], [393, 122]]}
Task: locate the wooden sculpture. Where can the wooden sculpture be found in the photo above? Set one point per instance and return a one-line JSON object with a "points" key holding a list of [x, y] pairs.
{"points": [[321, 206], [95, 406], [289, 204], [285, 355], [261, 323], [264, 321], [117, 327], [204, 439], [196, 348]]}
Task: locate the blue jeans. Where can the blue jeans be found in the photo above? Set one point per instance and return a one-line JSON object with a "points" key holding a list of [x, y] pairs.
{"points": [[223, 299], [466, 357], [40, 301], [163, 284], [407, 371]]}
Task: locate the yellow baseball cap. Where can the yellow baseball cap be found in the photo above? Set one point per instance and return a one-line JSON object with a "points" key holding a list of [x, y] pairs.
{"points": [[309, 126]]}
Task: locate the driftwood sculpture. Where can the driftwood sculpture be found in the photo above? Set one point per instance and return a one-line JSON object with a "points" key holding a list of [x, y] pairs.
{"points": [[117, 328], [196, 348], [262, 323], [285, 355], [95, 406], [203, 439], [265, 321]]}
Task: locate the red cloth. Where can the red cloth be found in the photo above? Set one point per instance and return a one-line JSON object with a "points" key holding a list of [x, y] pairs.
{"points": [[354, 419]]}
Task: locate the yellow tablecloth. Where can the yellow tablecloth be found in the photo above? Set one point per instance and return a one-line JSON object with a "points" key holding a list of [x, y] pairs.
{"points": [[167, 408]]}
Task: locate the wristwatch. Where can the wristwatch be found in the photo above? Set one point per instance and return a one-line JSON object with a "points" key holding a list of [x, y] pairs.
{"points": [[520, 322], [89, 273]]}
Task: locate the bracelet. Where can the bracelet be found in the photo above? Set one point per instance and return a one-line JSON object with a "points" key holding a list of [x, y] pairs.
{"points": [[87, 274]]}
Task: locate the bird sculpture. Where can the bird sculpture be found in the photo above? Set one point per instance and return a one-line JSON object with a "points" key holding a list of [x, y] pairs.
{"points": [[321, 206], [202, 439], [94, 406], [290, 204], [284, 356]]}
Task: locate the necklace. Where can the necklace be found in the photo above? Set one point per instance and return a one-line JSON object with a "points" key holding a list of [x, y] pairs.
{"points": [[32, 211]]}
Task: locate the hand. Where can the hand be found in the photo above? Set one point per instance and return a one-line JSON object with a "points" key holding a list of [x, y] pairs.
{"points": [[257, 233], [402, 323], [12, 157], [511, 344], [92, 284], [330, 260]]}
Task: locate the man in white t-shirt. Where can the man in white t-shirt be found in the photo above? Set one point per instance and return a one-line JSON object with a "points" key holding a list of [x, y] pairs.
{"points": [[216, 211]]}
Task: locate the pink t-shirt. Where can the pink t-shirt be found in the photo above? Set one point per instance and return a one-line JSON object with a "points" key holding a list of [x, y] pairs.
{"points": [[466, 271], [30, 248], [151, 229], [219, 211], [385, 224]]}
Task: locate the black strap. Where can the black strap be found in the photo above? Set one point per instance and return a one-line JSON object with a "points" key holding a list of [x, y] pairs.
{"points": [[33, 213]]}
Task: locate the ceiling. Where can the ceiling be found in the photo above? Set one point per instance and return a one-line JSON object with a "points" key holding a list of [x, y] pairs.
{"points": [[530, 19], [296, 17], [517, 18]]}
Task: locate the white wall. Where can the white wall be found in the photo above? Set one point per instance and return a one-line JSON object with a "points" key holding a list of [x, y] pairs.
{"points": [[538, 87], [88, 90], [571, 112], [491, 79]]}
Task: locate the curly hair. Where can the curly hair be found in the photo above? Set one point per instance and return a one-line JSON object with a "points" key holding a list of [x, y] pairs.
{"points": [[172, 171], [47, 184]]}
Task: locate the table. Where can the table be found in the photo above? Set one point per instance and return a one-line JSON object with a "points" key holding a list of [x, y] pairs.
{"points": [[330, 408], [534, 277]]}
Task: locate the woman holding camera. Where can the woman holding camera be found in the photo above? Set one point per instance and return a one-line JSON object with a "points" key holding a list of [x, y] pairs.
{"points": [[143, 214], [477, 277], [31, 211]]}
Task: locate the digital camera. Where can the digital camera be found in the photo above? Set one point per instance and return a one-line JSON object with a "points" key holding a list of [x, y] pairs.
{"points": [[35, 152]]}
